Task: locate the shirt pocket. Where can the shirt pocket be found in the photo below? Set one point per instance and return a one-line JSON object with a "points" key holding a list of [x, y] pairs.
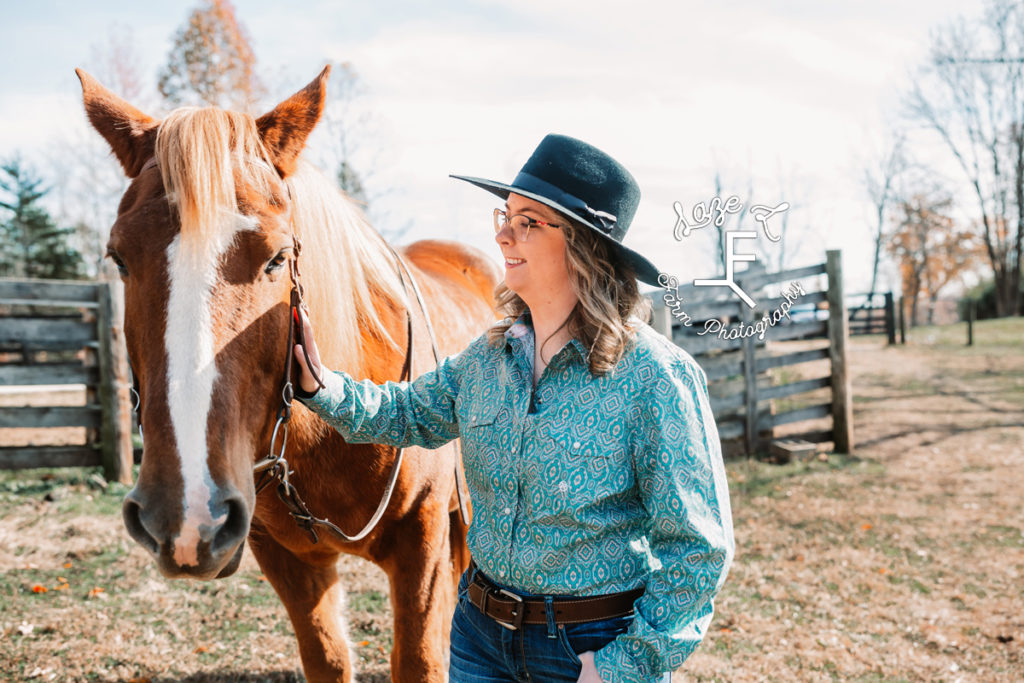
{"points": [[580, 474], [480, 435]]}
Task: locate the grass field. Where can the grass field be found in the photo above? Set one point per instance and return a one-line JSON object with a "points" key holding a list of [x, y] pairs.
{"points": [[903, 561]]}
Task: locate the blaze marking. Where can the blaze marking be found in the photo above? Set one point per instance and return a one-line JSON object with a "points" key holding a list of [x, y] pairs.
{"points": [[191, 373]]}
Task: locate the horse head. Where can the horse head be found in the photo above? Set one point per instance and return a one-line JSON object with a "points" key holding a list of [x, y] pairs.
{"points": [[204, 244]]}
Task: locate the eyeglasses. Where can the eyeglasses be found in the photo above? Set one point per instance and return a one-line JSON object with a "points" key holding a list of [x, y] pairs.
{"points": [[519, 224]]}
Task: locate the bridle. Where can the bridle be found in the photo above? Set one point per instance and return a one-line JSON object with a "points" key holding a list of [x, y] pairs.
{"points": [[274, 467]]}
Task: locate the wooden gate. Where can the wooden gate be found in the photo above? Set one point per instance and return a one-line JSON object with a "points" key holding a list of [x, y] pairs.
{"points": [[66, 334], [744, 374]]}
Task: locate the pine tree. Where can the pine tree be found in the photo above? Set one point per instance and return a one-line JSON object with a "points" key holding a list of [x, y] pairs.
{"points": [[211, 62], [31, 243], [350, 183]]}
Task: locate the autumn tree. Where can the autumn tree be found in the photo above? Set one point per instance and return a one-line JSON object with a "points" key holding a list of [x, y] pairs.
{"points": [[930, 249], [211, 62]]}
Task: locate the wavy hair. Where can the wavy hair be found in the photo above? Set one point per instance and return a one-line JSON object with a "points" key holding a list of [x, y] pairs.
{"points": [[608, 296]]}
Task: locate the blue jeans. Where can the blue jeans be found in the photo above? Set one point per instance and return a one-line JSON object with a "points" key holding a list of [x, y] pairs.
{"points": [[484, 651]]}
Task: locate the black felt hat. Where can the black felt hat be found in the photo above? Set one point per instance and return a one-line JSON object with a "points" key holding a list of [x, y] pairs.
{"points": [[585, 184]]}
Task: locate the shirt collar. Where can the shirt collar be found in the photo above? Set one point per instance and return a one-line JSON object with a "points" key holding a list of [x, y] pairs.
{"points": [[523, 326]]}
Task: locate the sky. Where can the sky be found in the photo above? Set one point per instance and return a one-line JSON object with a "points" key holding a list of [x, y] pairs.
{"points": [[784, 100]]}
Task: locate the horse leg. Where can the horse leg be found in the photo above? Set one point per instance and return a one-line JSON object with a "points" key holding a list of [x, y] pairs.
{"points": [[313, 598], [422, 596]]}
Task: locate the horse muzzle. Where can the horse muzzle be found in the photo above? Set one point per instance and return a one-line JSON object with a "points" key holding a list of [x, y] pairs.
{"points": [[209, 548]]}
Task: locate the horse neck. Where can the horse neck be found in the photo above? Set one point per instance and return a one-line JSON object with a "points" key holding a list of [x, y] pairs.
{"points": [[356, 303]]}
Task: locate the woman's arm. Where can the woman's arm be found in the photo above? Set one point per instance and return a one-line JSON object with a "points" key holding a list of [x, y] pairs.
{"points": [[417, 413], [681, 477]]}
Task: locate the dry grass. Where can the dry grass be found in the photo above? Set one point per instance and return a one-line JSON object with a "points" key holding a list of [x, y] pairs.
{"points": [[901, 562]]}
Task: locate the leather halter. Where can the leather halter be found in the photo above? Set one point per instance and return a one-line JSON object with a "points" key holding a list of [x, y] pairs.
{"points": [[274, 466]]}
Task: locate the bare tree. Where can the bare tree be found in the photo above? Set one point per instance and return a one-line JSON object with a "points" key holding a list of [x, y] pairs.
{"points": [[880, 180], [88, 181], [352, 132], [969, 93]]}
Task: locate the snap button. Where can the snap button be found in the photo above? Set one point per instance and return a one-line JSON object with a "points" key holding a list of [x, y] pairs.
{"points": [[576, 444], [508, 510]]}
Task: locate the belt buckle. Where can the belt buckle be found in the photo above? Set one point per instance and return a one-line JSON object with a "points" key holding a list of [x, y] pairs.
{"points": [[517, 614]]}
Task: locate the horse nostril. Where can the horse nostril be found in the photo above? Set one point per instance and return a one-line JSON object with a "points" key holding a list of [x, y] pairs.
{"points": [[131, 510], [235, 527]]}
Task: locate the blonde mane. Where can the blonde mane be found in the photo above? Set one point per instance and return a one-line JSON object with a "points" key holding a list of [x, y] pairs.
{"points": [[347, 269]]}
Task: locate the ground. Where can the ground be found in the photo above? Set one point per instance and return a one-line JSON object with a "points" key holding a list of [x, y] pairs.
{"points": [[900, 562]]}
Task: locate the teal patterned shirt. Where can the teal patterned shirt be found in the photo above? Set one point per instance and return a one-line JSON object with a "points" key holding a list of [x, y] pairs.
{"points": [[581, 486]]}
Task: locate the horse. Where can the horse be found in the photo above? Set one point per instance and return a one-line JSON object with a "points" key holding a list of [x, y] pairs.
{"points": [[206, 241]]}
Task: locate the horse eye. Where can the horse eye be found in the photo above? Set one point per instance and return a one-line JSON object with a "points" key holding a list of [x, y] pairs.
{"points": [[277, 262], [121, 269]]}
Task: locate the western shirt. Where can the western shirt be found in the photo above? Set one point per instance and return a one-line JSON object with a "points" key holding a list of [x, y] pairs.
{"points": [[581, 485]]}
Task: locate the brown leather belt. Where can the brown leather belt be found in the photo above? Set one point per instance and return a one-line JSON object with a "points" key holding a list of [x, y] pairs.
{"points": [[512, 611]]}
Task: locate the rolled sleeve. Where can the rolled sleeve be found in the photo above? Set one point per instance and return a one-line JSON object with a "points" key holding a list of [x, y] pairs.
{"points": [[682, 484], [418, 413]]}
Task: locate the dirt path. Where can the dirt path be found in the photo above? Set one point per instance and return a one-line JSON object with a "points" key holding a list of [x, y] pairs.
{"points": [[903, 563]]}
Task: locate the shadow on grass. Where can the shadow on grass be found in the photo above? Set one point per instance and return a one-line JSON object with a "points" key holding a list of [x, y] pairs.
{"points": [[758, 478], [271, 677]]}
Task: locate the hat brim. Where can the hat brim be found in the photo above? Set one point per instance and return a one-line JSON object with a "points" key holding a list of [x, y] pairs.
{"points": [[645, 271]]}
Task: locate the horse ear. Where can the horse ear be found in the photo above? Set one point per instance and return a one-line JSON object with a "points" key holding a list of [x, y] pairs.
{"points": [[130, 133], [284, 129]]}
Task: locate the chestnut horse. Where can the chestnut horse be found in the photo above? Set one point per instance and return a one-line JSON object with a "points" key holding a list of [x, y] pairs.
{"points": [[203, 239]]}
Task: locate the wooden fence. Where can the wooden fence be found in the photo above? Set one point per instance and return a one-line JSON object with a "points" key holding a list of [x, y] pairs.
{"points": [[876, 314], [67, 333], [743, 373]]}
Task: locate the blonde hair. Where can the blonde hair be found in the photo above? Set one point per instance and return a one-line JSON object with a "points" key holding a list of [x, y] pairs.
{"points": [[608, 296]]}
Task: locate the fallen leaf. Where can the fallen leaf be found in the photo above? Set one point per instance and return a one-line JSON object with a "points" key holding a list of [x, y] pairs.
{"points": [[865, 527], [201, 649], [142, 679], [39, 589], [363, 643], [67, 565], [96, 592], [883, 570]]}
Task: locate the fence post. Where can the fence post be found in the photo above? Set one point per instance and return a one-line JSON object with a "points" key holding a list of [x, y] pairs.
{"points": [[970, 322], [749, 383], [903, 322], [838, 332], [116, 430], [661, 317], [890, 318]]}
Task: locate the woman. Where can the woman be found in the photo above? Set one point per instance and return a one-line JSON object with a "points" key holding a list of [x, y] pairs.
{"points": [[602, 528]]}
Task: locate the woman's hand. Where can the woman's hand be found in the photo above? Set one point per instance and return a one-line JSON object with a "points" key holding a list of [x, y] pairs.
{"points": [[589, 673], [306, 380]]}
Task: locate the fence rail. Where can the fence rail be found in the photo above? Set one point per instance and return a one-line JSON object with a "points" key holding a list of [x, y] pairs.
{"points": [[65, 334]]}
